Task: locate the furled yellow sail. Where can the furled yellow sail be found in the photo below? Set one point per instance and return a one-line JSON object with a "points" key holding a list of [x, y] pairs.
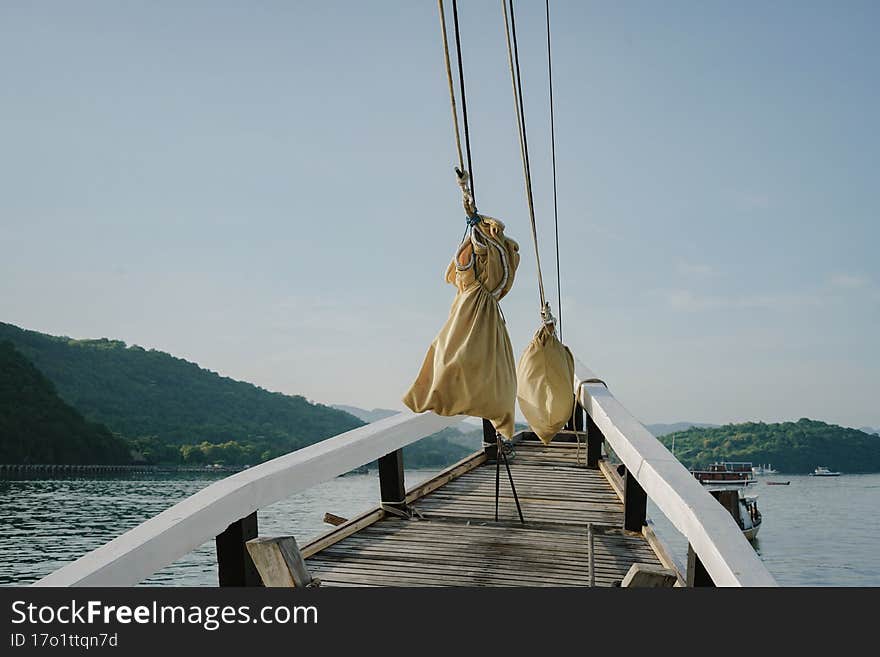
{"points": [[469, 368], [545, 383]]}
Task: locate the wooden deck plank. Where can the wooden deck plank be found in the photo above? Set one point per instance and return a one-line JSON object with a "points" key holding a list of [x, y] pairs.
{"points": [[458, 543]]}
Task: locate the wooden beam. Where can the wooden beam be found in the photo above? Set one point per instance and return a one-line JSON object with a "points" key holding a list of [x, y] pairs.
{"points": [[635, 503], [696, 571], [333, 519], [490, 447], [392, 491], [234, 564], [643, 575], [595, 439], [663, 553], [336, 534], [280, 562]]}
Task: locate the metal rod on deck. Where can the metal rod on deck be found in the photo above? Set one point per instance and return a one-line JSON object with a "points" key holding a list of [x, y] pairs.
{"points": [[497, 473], [512, 486], [590, 559]]}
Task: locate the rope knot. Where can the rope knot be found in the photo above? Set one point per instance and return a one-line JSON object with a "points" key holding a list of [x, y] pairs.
{"points": [[547, 316], [467, 197], [473, 220]]}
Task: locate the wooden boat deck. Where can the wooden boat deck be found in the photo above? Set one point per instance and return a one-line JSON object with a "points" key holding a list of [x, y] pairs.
{"points": [[455, 541]]}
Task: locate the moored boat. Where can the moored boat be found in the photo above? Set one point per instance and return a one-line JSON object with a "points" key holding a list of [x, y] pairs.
{"points": [[750, 517], [726, 473], [822, 471]]}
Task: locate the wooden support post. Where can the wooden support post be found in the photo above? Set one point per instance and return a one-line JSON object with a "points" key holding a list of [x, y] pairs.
{"points": [[280, 562], [392, 491], [635, 504], [595, 438], [578, 416], [490, 445], [234, 564], [696, 572], [644, 575]]}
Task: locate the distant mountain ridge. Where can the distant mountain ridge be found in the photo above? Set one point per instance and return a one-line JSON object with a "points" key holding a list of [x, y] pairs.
{"points": [[367, 416], [663, 429], [171, 408], [796, 447]]}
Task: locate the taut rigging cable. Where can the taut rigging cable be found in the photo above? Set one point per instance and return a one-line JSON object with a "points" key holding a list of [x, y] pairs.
{"points": [[516, 80], [553, 157]]}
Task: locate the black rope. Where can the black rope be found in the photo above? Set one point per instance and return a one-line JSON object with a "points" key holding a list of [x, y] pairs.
{"points": [[553, 155], [467, 136]]}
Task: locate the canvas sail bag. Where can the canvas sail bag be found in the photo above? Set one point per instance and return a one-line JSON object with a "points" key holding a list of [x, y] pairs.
{"points": [[469, 368], [545, 383]]}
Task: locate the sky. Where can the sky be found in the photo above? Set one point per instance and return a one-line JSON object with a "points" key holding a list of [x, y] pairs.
{"points": [[266, 188]]}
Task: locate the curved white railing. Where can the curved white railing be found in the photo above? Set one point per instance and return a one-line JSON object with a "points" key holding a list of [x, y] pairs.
{"points": [[161, 540], [716, 538]]}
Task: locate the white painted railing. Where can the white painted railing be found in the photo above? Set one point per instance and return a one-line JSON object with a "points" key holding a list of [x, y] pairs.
{"points": [[710, 529], [161, 540]]}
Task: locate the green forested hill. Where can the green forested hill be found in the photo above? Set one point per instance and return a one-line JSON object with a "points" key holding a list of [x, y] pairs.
{"points": [[790, 446], [37, 426], [171, 407]]}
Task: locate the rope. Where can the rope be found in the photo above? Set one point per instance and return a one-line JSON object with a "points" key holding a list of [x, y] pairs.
{"points": [[553, 156], [463, 177], [469, 174], [516, 81], [451, 84]]}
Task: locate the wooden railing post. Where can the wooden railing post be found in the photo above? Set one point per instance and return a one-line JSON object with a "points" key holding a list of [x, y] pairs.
{"points": [[490, 446], [696, 572], [635, 502], [595, 439], [392, 490], [234, 564]]}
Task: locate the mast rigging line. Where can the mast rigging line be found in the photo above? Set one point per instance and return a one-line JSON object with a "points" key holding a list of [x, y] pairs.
{"points": [[465, 177], [516, 81], [553, 158]]}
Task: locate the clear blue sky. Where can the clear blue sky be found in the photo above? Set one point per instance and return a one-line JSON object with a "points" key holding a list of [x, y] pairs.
{"points": [[265, 188]]}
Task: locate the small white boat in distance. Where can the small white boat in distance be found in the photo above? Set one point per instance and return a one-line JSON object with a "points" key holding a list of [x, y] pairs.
{"points": [[822, 471], [764, 470]]}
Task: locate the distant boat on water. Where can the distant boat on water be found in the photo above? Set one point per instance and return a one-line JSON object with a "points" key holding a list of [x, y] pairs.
{"points": [[822, 471], [764, 470], [778, 483]]}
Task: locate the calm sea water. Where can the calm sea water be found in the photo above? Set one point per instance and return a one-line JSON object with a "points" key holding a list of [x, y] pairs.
{"points": [[816, 531]]}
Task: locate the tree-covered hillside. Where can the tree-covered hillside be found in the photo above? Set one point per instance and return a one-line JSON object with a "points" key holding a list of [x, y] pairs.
{"points": [[794, 447], [37, 426], [165, 402]]}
